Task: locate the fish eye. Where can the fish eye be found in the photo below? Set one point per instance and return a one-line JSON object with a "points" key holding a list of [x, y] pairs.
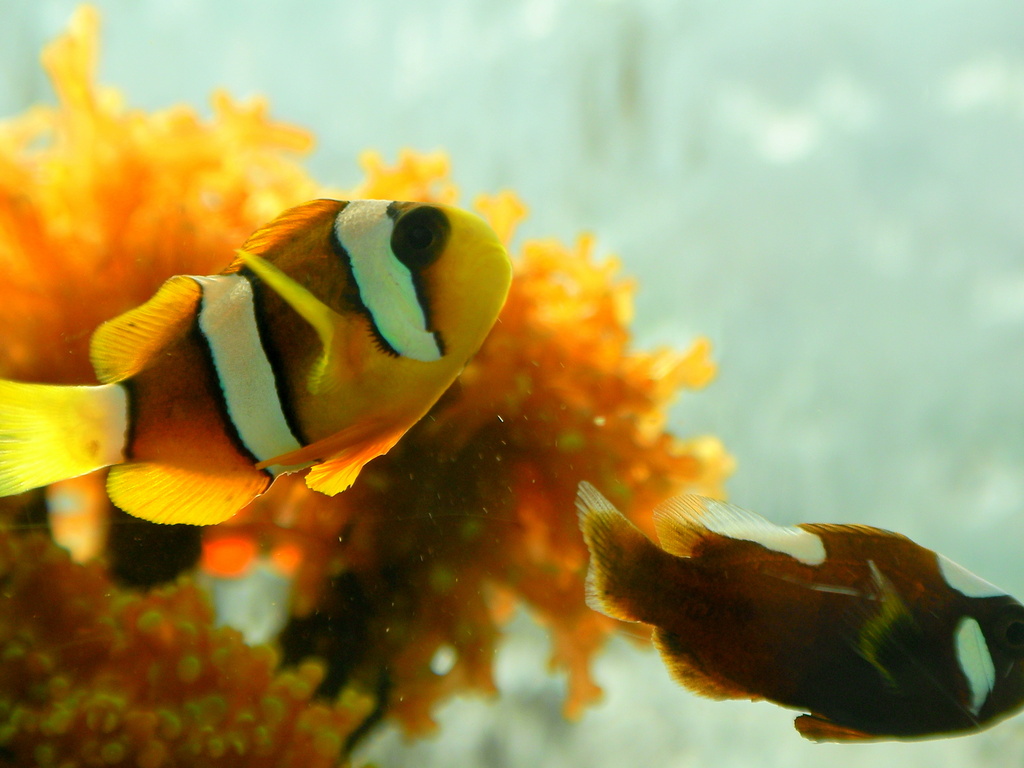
{"points": [[419, 236], [1009, 629]]}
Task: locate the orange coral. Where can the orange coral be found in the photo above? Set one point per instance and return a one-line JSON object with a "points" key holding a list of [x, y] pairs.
{"points": [[114, 201], [93, 675], [404, 580]]}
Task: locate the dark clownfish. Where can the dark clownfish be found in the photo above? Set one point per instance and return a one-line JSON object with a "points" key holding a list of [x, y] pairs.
{"points": [[335, 330], [874, 636]]}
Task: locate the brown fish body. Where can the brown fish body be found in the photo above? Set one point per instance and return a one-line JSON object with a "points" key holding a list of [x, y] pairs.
{"points": [[857, 626]]}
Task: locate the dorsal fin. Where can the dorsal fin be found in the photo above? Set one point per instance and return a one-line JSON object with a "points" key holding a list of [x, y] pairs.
{"points": [[678, 524], [122, 346], [289, 225], [854, 529], [325, 321], [683, 521]]}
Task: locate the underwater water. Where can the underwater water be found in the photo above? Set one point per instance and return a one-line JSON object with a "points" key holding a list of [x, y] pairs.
{"points": [[831, 193]]}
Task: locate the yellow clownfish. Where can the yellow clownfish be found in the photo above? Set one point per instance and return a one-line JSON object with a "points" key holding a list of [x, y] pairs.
{"points": [[335, 330], [872, 635]]}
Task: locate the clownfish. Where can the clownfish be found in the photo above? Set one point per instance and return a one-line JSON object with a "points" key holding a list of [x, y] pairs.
{"points": [[334, 331], [870, 634]]}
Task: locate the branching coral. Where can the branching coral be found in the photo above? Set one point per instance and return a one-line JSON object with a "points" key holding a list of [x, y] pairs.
{"points": [[99, 204], [404, 580]]}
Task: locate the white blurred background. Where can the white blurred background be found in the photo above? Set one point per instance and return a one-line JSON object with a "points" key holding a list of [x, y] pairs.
{"points": [[832, 191]]}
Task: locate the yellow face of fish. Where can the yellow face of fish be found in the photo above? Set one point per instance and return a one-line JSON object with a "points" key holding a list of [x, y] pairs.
{"points": [[464, 286], [400, 296], [431, 278]]}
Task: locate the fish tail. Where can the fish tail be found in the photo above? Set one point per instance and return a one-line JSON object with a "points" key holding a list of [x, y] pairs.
{"points": [[51, 432], [624, 563]]}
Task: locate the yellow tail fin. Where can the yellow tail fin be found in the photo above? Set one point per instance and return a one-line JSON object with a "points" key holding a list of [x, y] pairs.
{"points": [[50, 433]]}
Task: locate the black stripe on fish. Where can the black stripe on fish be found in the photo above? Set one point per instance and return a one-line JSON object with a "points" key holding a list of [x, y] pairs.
{"points": [[273, 355], [355, 298], [131, 408], [216, 389], [395, 211]]}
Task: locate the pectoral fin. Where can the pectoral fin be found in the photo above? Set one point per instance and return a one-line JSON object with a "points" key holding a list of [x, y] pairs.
{"points": [[890, 637], [325, 321], [343, 453]]}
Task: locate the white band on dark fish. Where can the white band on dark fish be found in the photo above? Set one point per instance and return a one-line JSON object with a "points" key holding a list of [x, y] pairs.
{"points": [[965, 582], [740, 524], [976, 662]]}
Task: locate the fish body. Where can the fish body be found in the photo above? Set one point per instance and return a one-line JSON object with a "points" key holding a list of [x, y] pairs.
{"points": [[869, 633], [335, 330]]}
